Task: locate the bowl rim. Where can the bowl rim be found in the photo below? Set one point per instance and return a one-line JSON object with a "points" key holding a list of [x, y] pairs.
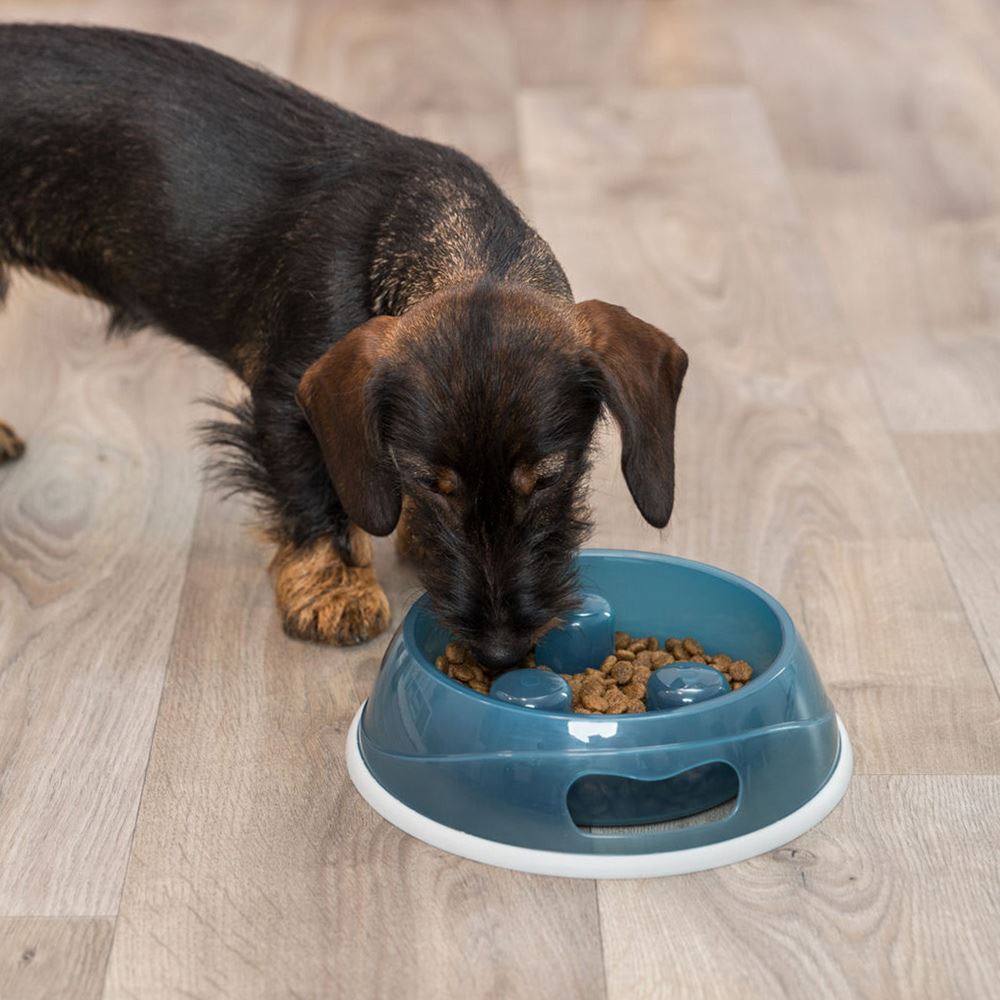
{"points": [[775, 667]]}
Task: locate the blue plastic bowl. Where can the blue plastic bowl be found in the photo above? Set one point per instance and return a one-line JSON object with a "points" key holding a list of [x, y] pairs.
{"points": [[610, 796]]}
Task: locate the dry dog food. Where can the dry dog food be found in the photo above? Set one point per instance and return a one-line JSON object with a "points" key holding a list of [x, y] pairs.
{"points": [[617, 685]]}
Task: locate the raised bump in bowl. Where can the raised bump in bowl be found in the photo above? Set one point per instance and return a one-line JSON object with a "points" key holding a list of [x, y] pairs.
{"points": [[683, 683], [585, 636], [533, 689]]}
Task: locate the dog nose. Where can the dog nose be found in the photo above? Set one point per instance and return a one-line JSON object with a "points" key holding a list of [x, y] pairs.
{"points": [[502, 650]]}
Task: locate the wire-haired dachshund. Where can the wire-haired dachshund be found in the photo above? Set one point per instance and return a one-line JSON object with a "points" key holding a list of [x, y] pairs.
{"points": [[413, 353]]}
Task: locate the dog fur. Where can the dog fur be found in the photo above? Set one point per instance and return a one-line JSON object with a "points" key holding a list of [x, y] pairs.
{"points": [[410, 345]]}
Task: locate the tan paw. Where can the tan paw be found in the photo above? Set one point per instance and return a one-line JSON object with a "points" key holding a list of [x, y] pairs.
{"points": [[11, 446], [323, 599], [408, 545]]}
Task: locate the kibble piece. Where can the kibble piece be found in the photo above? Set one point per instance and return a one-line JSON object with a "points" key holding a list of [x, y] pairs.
{"points": [[463, 672], [635, 705], [659, 658], [721, 661], [595, 702], [644, 658], [635, 690], [625, 654], [617, 702], [441, 663], [622, 639], [622, 672], [454, 653], [609, 662], [637, 645], [481, 686], [698, 658], [737, 685], [693, 647], [741, 670]]}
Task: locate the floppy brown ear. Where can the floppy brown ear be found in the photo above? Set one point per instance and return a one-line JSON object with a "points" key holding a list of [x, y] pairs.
{"points": [[337, 396], [642, 370]]}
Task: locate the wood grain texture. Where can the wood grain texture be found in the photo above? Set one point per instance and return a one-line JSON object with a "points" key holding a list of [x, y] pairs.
{"points": [[957, 477], [786, 472], [899, 658], [806, 197], [53, 958], [256, 870], [444, 70], [604, 43], [258, 31], [95, 523], [892, 140], [889, 897]]}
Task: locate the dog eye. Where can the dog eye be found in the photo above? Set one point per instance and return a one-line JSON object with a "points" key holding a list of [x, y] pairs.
{"points": [[443, 482], [543, 482], [528, 479]]}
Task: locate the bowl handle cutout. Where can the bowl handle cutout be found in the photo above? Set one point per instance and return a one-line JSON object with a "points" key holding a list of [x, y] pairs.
{"points": [[609, 804]]}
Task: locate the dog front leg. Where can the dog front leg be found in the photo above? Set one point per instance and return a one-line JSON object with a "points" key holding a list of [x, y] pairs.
{"points": [[324, 582], [326, 597]]}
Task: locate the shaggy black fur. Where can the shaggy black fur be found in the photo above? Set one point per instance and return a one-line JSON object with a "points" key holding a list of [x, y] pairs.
{"points": [[262, 224], [485, 405]]}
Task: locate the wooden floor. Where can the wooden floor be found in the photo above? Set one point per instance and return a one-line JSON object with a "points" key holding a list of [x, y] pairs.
{"points": [[807, 195]]}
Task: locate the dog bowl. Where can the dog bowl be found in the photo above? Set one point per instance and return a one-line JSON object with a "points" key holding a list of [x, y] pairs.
{"points": [[702, 780]]}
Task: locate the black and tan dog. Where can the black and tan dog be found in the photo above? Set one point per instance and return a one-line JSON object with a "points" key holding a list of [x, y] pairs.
{"points": [[410, 344]]}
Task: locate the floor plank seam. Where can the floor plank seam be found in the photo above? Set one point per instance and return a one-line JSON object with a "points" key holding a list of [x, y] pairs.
{"points": [[601, 940], [152, 741], [847, 329]]}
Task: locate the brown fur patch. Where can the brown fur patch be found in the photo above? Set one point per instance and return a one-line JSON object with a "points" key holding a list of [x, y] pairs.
{"points": [[408, 545], [11, 446], [248, 360], [447, 482], [361, 547], [524, 479], [323, 599]]}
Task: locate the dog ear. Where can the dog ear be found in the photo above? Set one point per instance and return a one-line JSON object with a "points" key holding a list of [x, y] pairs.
{"points": [[642, 370], [338, 395]]}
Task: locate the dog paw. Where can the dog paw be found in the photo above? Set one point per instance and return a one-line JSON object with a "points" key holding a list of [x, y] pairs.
{"points": [[323, 599], [11, 446]]}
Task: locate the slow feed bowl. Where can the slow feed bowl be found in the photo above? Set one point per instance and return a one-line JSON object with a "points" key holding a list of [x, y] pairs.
{"points": [[704, 778]]}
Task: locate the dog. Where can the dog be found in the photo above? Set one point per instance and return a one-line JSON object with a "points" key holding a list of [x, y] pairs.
{"points": [[413, 354]]}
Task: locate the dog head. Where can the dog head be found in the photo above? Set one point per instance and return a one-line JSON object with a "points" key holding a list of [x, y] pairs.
{"points": [[479, 406]]}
